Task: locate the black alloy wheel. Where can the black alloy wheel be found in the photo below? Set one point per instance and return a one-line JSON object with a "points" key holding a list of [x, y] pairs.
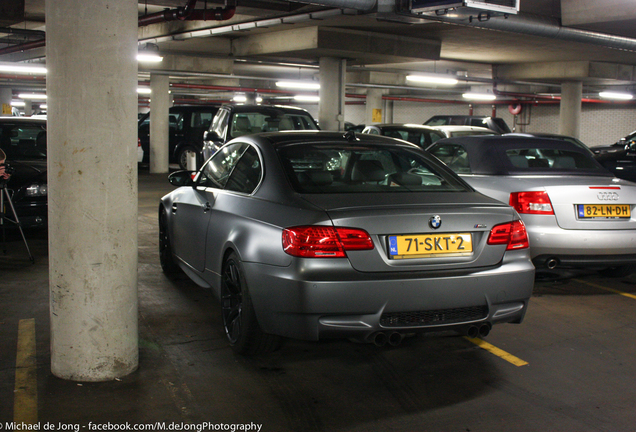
{"points": [[239, 319]]}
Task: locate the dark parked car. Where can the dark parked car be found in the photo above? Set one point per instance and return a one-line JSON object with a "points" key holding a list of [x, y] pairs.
{"points": [[315, 235], [186, 127], [232, 121], [493, 123], [23, 139], [620, 157]]}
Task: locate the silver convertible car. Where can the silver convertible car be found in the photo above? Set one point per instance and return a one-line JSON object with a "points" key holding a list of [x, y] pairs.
{"points": [[314, 235], [578, 215]]}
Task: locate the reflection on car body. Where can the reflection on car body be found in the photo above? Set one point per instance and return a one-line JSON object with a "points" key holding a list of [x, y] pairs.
{"points": [[324, 235], [578, 215]]}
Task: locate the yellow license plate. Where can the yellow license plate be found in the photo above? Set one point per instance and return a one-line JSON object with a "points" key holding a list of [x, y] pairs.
{"points": [[430, 245], [591, 211]]}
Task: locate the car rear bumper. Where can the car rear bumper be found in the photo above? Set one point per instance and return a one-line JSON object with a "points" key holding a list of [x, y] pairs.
{"points": [[581, 248], [357, 305]]}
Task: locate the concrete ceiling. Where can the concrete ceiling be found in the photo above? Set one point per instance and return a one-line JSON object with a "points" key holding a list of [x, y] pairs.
{"points": [[586, 40]]}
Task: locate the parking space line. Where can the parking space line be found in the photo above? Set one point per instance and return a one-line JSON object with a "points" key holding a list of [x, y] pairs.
{"points": [[496, 351], [606, 288], [25, 400]]}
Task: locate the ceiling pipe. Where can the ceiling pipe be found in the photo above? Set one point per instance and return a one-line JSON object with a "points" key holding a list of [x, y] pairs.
{"points": [[189, 13], [542, 26], [182, 13], [361, 5]]}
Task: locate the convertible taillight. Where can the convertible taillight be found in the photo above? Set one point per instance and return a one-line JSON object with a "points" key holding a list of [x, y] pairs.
{"points": [[324, 242], [535, 202], [513, 234]]}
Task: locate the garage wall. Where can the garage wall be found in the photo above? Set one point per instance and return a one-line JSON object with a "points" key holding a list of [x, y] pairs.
{"points": [[601, 124]]}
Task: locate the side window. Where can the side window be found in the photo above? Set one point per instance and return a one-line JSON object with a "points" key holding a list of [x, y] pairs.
{"points": [[454, 156], [218, 169], [201, 119], [247, 173], [177, 122]]}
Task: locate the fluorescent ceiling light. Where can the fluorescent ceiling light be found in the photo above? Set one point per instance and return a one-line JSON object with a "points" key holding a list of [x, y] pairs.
{"points": [[144, 90], [307, 98], [7, 67], [615, 95], [240, 98], [31, 96], [307, 85], [44, 106], [429, 79], [259, 99], [18, 103], [146, 57], [479, 96]]}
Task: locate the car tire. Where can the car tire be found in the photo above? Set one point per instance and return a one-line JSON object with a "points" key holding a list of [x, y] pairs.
{"points": [[168, 263], [182, 157], [239, 318], [618, 271]]}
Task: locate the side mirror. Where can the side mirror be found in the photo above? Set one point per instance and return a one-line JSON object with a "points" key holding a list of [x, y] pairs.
{"points": [[181, 178], [211, 136]]}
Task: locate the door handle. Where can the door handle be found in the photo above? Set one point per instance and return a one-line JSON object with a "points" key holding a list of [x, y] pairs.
{"points": [[206, 207]]}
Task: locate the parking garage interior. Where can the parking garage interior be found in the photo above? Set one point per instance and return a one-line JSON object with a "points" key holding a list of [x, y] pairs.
{"points": [[95, 336]]}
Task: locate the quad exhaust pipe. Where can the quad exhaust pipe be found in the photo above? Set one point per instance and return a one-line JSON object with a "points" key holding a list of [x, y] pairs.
{"points": [[482, 330], [382, 338]]}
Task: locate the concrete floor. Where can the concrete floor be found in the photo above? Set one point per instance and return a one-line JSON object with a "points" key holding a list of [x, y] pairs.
{"points": [[577, 340]]}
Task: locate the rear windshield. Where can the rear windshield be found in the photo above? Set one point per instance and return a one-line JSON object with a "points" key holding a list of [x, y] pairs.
{"points": [[327, 169], [246, 123], [549, 159]]}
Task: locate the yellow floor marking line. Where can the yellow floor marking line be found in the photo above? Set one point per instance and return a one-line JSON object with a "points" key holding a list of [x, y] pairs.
{"points": [[606, 288], [496, 351], [25, 401]]}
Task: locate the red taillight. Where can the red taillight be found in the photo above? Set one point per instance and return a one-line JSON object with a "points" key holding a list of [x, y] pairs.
{"points": [[512, 234], [324, 242], [138, 142], [536, 202]]}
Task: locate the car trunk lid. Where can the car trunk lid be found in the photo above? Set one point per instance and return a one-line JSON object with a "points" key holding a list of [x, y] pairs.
{"points": [[432, 232]]}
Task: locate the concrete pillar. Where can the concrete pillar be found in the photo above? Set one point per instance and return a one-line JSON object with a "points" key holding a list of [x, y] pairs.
{"points": [[332, 93], [28, 108], [159, 123], [375, 106], [570, 109], [388, 111], [6, 95], [92, 180]]}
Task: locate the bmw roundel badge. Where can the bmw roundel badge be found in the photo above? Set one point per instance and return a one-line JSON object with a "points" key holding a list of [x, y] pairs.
{"points": [[435, 222]]}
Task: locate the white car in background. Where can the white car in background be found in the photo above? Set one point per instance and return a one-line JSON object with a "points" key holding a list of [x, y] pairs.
{"points": [[451, 131]]}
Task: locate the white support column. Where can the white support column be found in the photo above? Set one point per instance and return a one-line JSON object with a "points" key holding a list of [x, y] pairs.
{"points": [[92, 179], [6, 95], [375, 105], [570, 109], [159, 123], [332, 93], [28, 108]]}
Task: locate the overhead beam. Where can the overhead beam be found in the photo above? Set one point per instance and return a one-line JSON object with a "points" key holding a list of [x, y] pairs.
{"points": [[184, 63], [563, 71], [316, 42]]}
